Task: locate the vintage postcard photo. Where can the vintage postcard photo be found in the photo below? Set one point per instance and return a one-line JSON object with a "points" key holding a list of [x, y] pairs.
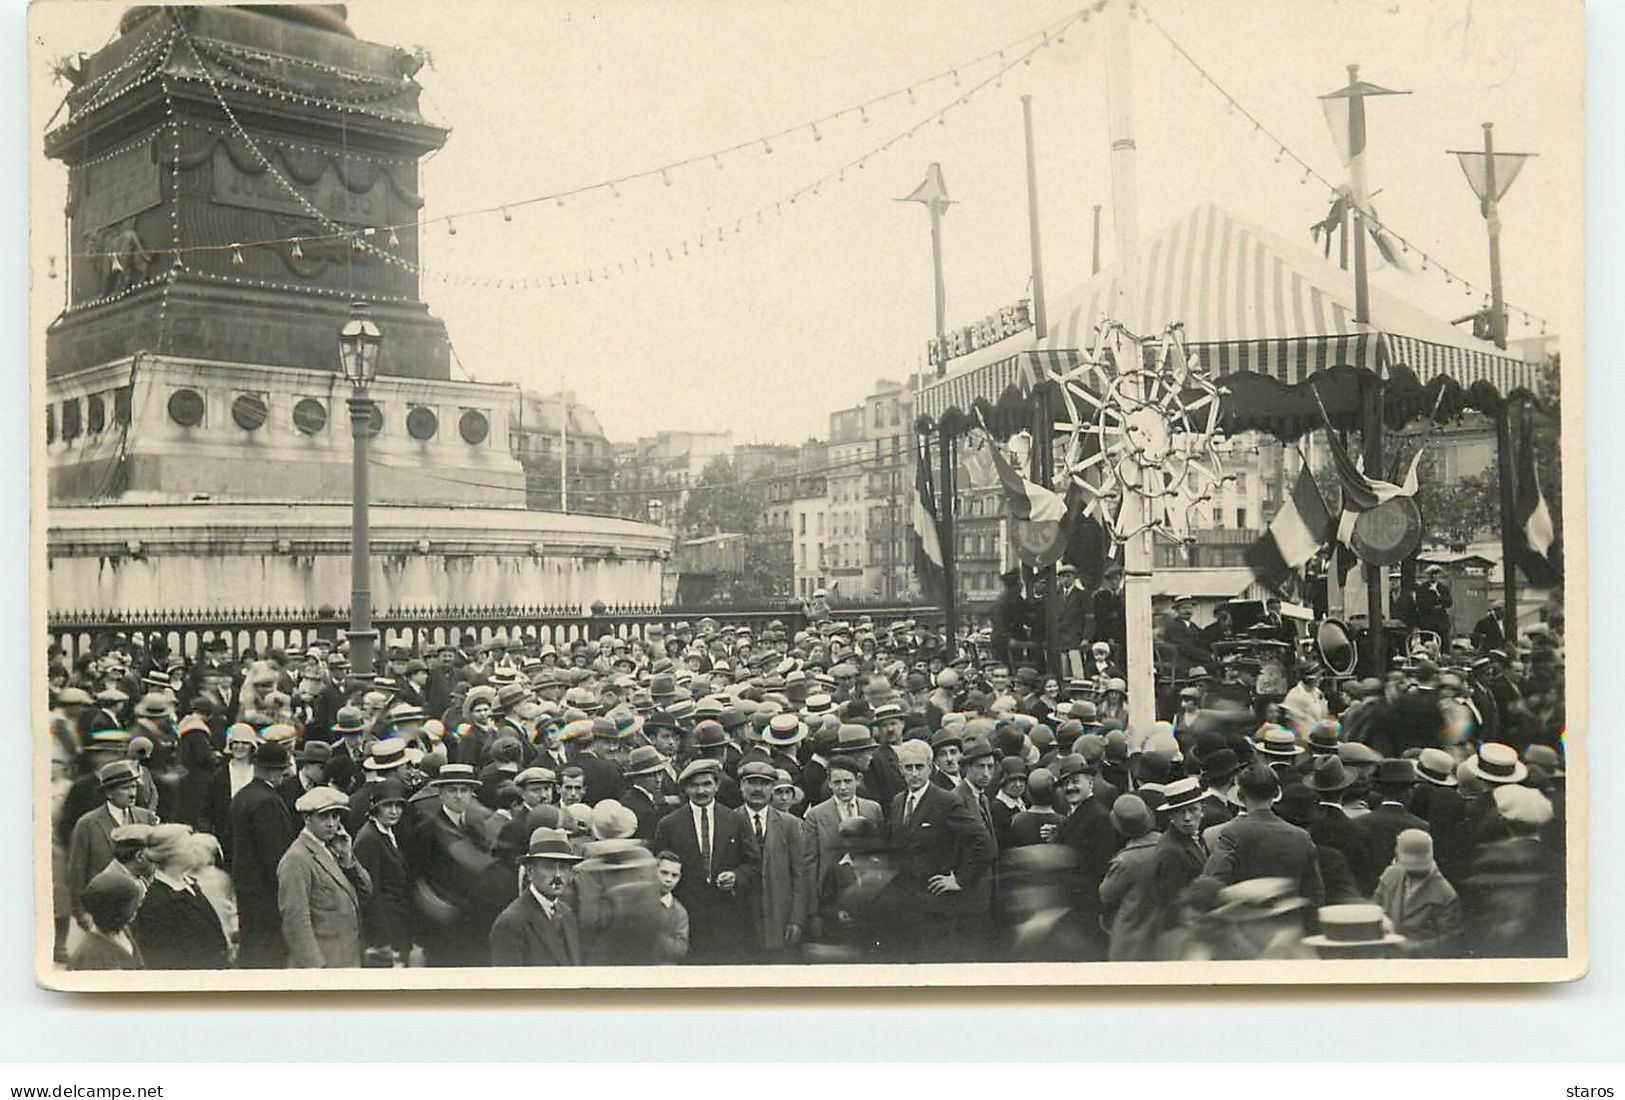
{"points": [[592, 494]]}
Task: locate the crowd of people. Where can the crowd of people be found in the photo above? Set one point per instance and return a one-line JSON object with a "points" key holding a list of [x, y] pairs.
{"points": [[845, 791]]}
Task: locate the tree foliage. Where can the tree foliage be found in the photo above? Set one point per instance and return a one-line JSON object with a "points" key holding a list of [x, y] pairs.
{"points": [[721, 501]]}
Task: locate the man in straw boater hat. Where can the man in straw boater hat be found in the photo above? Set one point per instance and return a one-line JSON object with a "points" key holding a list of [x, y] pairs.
{"points": [[538, 928], [720, 865], [461, 886], [262, 827], [1355, 931], [1181, 852], [321, 887]]}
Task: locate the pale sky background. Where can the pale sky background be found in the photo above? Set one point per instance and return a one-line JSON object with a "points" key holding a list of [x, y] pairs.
{"points": [[798, 316]]}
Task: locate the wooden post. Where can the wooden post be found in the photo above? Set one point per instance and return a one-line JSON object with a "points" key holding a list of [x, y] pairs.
{"points": [[950, 570]]}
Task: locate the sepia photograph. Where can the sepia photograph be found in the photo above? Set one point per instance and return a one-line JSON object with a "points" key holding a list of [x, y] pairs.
{"points": [[588, 495]]}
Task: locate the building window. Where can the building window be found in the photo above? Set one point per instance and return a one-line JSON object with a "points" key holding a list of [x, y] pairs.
{"points": [[1241, 518], [804, 523]]}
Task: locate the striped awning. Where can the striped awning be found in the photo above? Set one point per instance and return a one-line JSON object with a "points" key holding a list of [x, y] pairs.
{"points": [[1250, 303]]}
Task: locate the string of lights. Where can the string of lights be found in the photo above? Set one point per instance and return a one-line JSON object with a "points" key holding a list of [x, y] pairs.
{"points": [[1285, 153], [718, 233], [763, 144]]}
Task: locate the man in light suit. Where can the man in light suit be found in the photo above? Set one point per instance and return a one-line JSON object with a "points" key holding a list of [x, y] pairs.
{"points": [[720, 866], [538, 928], [321, 886], [825, 820], [90, 846], [941, 853], [783, 898]]}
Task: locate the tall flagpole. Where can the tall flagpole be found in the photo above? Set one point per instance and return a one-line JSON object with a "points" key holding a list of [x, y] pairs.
{"points": [[1142, 701], [564, 449], [1371, 405], [1489, 205], [1040, 321]]}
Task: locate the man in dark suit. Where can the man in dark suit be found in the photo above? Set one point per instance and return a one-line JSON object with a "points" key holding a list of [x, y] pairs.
{"points": [[720, 866], [262, 827], [538, 928], [1437, 801], [1490, 632], [1380, 829], [603, 776], [1258, 844], [1332, 827], [824, 822], [645, 796], [1180, 852], [1188, 647], [940, 852], [1087, 830], [344, 770], [1111, 621], [784, 892], [461, 886]]}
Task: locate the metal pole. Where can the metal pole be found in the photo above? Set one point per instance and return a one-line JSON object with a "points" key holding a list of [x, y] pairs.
{"points": [[1371, 407], [950, 571], [936, 266], [564, 451], [363, 638], [1503, 420], [1509, 542], [1142, 702], [1492, 220], [1094, 261], [1040, 325]]}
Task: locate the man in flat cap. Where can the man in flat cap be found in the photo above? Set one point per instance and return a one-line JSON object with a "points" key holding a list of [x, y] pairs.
{"points": [[720, 865], [262, 828], [321, 886], [538, 928], [783, 898]]}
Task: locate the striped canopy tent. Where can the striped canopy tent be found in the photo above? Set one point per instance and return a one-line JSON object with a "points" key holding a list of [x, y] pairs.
{"points": [[1275, 321]]}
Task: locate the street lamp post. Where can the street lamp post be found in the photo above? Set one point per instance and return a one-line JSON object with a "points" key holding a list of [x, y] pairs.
{"points": [[359, 344]]}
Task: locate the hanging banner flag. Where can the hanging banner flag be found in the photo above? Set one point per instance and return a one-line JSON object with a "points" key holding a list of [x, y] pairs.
{"points": [[1345, 114], [1507, 167], [1026, 499], [928, 562], [1536, 533], [1295, 535]]}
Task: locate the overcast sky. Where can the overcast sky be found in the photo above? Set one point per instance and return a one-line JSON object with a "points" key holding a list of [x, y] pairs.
{"points": [[799, 315]]}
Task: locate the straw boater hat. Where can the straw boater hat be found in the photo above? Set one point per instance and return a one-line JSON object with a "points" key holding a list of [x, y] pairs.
{"points": [[1347, 927], [1497, 763], [784, 730], [1437, 767], [455, 774], [1181, 793]]}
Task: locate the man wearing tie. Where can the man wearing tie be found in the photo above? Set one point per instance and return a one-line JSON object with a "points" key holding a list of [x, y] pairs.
{"points": [[539, 928], [720, 865], [1180, 853], [784, 897], [825, 819], [941, 853]]}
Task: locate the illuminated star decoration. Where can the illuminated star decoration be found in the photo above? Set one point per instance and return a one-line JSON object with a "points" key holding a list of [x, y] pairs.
{"points": [[1147, 429]]}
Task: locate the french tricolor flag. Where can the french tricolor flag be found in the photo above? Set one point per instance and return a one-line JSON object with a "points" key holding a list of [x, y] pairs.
{"points": [[1296, 534]]}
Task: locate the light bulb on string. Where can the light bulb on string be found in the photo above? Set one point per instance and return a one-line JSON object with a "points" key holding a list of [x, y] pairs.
{"points": [[451, 229], [665, 177], [507, 215], [956, 78], [669, 256], [236, 255], [911, 99], [863, 114], [296, 251], [615, 192], [394, 241], [685, 248], [559, 199], [766, 147], [816, 135], [716, 160]]}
